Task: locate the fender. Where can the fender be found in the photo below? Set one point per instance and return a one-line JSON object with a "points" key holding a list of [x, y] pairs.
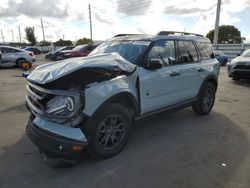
{"points": [[122, 87], [210, 78], [124, 98]]}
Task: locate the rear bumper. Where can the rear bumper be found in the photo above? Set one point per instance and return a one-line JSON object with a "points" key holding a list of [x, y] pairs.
{"points": [[53, 140]]}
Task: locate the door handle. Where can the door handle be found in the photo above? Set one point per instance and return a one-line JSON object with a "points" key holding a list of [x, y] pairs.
{"points": [[175, 74], [201, 70]]}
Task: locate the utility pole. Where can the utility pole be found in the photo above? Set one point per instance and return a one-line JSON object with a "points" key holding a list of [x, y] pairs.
{"points": [[90, 23], [217, 20], [20, 34], [2, 35], [43, 31], [12, 35]]}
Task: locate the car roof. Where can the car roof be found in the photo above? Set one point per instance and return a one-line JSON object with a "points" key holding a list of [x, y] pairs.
{"points": [[173, 36]]}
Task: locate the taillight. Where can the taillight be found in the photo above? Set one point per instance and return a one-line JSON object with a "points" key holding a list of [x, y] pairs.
{"points": [[31, 53]]}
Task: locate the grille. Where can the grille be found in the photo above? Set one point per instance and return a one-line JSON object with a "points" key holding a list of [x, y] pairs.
{"points": [[242, 67], [38, 98]]}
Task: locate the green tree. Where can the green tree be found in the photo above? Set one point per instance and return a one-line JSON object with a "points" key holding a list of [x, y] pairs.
{"points": [[63, 43], [30, 35], [83, 41], [228, 34]]}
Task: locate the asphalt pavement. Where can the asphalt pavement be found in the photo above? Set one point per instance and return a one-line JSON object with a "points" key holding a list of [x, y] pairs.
{"points": [[176, 150]]}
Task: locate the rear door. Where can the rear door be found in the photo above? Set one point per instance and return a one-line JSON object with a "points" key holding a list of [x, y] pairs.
{"points": [[189, 58], [8, 55], [160, 87]]}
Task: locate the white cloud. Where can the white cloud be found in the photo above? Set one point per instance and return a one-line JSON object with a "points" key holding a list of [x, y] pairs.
{"points": [[70, 17]]}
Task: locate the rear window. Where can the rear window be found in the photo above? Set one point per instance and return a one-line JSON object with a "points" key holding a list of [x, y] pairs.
{"points": [[206, 50]]}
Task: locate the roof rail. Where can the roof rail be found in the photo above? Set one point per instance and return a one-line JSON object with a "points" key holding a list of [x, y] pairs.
{"points": [[120, 35], [179, 32]]}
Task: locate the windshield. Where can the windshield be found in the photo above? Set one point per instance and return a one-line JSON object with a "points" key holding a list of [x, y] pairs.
{"points": [[246, 53], [129, 50], [78, 48]]}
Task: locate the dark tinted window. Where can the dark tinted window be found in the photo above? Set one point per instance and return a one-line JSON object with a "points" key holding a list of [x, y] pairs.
{"points": [[164, 51], [206, 50], [187, 52], [129, 50]]}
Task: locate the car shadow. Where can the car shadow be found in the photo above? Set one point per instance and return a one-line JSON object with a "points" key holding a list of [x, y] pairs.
{"points": [[167, 150], [242, 82], [17, 108]]}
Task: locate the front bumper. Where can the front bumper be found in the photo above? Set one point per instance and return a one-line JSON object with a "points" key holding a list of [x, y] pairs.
{"points": [[239, 70], [240, 73], [56, 140]]}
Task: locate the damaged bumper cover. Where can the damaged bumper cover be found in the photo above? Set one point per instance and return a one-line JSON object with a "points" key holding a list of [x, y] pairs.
{"points": [[54, 130], [56, 140]]}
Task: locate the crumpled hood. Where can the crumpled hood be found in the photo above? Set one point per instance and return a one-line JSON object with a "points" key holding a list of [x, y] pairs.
{"points": [[52, 71]]}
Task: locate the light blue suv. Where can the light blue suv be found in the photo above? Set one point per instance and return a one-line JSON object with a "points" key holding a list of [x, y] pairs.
{"points": [[92, 102]]}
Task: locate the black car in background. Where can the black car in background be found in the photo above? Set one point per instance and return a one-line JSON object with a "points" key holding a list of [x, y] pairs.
{"points": [[78, 51], [53, 55], [36, 51]]}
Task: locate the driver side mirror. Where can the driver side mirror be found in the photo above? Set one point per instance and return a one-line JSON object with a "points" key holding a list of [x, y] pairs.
{"points": [[154, 64]]}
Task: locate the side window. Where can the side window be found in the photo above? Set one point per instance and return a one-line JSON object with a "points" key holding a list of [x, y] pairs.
{"points": [[9, 50], [206, 50], [89, 48], [187, 52], [164, 51]]}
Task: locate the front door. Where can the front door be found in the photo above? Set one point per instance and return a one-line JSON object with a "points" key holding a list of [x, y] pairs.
{"points": [[160, 87]]}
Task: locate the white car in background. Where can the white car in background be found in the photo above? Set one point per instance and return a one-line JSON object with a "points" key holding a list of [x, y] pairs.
{"points": [[14, 56]]}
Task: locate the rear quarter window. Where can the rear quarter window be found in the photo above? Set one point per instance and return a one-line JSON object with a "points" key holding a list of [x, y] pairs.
{"points": [[187, 52], [205, 49]]}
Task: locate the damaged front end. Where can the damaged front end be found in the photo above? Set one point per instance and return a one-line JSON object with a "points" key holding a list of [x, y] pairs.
{"points": [[56, 99]]}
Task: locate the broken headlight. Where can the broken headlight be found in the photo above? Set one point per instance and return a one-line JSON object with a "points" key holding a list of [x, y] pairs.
{"points": [[60, 105]]}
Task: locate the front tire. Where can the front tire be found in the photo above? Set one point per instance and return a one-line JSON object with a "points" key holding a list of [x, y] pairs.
{"points": [[108, 131], [206, 99], [236, 78]]}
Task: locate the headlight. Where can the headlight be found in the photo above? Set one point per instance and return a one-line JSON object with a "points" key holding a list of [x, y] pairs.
{"points": [[60, 105]]}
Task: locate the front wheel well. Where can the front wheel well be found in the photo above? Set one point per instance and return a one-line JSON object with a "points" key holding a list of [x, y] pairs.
{"points": [[213, 81], [125, 99]]}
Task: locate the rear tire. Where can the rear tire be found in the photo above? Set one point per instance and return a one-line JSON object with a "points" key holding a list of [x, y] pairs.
{"points": [[206, 99], [108, 131]]}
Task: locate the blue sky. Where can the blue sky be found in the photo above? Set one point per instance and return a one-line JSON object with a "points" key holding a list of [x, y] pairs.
{"points": [[69, 18]]}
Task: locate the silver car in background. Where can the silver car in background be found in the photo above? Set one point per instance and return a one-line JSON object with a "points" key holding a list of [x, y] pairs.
{"points": [[14, 56], [239, 67]]}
